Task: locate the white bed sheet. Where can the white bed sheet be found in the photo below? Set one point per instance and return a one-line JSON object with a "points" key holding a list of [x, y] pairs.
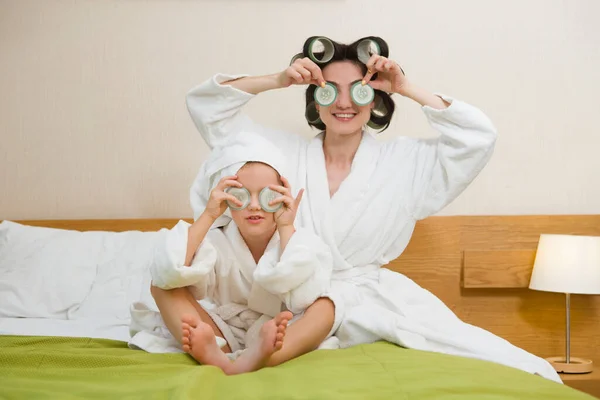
{"points": [[97, 328], [117, 268]]}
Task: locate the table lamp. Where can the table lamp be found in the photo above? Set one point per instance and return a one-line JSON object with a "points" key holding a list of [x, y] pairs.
{"points": [[567, 264]]}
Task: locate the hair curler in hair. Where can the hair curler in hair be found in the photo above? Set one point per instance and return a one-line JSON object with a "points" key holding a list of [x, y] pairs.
{"points": [[312, 114], [296, 57], [319, 49]]}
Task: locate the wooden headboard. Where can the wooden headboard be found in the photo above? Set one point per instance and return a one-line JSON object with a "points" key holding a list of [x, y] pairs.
{"points": [[480, 267]]}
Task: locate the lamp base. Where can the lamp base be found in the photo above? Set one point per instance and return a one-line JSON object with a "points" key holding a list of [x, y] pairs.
{"points": [[574, 366]]}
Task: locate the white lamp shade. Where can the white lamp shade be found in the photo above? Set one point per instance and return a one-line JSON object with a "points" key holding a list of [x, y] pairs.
{"points": [[567, 264]]}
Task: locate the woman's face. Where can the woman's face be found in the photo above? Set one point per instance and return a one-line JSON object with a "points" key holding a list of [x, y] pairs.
{"points": [[344, 117]]}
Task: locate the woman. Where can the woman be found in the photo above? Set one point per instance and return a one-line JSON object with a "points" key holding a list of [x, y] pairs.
{"points": [[364, 197]]}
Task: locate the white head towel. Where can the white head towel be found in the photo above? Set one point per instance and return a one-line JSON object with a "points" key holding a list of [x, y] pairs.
{"points": [[225, 160]]}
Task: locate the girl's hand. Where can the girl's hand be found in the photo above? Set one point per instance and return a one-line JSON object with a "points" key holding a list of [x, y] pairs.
{"points": [[390, 77], [302, 72], [286, 215], [217, 202]]}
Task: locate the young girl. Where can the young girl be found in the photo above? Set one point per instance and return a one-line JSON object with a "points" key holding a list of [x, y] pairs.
{"points": [[258, 273]]}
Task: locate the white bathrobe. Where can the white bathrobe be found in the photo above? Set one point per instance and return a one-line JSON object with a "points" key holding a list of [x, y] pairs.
{"points": [[241, 294], [370, 219]]}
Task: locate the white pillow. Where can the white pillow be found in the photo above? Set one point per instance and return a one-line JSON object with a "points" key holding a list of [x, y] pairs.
{"points": [[67, 274], [45, 272], [123, 276]]}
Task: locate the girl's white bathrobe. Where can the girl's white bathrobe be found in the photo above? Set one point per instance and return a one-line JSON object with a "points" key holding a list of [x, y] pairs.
{"points": [[240, 294]]}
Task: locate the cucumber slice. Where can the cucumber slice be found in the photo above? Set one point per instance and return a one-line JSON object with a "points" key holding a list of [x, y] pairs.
{"points": [[366, 49], [325, 96], [362, 95], [242, 194], [321, 50], [267, 195]]}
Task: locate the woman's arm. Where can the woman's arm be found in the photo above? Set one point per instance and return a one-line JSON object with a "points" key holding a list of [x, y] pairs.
{"points": [[391, 79], [255, 84], [423, 97], [216, 104], [302, 72], [443, 167]]}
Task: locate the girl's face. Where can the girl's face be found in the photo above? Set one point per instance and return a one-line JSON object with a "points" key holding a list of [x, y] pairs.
{"points": [[344, 117], [253, 220]]}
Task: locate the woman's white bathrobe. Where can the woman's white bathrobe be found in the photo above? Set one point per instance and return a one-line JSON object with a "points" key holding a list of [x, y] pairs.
{"points": [[370, 219], [242, 295]]}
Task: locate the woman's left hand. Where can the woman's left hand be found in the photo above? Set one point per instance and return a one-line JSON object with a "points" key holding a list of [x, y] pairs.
{"points": [[390, 77]]}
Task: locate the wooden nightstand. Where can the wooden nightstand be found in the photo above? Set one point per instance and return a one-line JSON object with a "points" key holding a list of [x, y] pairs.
{"points": [[588, 383]]}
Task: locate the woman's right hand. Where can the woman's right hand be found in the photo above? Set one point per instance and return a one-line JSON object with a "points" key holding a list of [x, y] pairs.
{"points": [[217, 202], [303, 71]]}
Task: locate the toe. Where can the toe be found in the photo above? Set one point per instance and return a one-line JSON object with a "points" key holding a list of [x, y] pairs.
{"points": [[189, 320], [283, 317]]}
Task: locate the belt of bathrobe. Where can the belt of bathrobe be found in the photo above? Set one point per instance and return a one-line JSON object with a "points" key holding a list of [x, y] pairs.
{"points": [[354, 272]]}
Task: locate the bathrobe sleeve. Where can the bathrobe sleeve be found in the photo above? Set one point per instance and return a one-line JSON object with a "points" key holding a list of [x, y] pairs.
{"points": [[216, 110], [301, 275], [168, 270], [443, 167]]}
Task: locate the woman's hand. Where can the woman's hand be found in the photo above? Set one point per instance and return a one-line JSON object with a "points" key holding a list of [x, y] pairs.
{"points": [[286, 215], [390, 77], [302, 72], [217, 202]]}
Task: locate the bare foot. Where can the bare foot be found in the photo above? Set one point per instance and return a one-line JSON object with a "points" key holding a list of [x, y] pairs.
{"points": [[198, 340], [271, 338]]}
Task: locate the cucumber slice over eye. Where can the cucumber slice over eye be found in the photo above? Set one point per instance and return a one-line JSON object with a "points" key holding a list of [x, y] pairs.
{"points": [[362, 95], [366, 49], [267, 195], [242, 194], [321, 50], [325, 96]]}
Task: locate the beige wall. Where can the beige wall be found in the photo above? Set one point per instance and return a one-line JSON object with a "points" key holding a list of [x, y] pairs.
{"points": [[93, 122]]}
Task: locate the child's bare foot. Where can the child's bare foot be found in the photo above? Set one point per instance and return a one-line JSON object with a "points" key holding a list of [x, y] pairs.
{"points": [[198, 340], [271, 338]]}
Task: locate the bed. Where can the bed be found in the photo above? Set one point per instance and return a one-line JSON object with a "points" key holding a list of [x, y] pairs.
{"points": [[65, 288]]}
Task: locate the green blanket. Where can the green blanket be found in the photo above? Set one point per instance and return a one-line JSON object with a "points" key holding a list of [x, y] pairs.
{"points": [[77, 368]]}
